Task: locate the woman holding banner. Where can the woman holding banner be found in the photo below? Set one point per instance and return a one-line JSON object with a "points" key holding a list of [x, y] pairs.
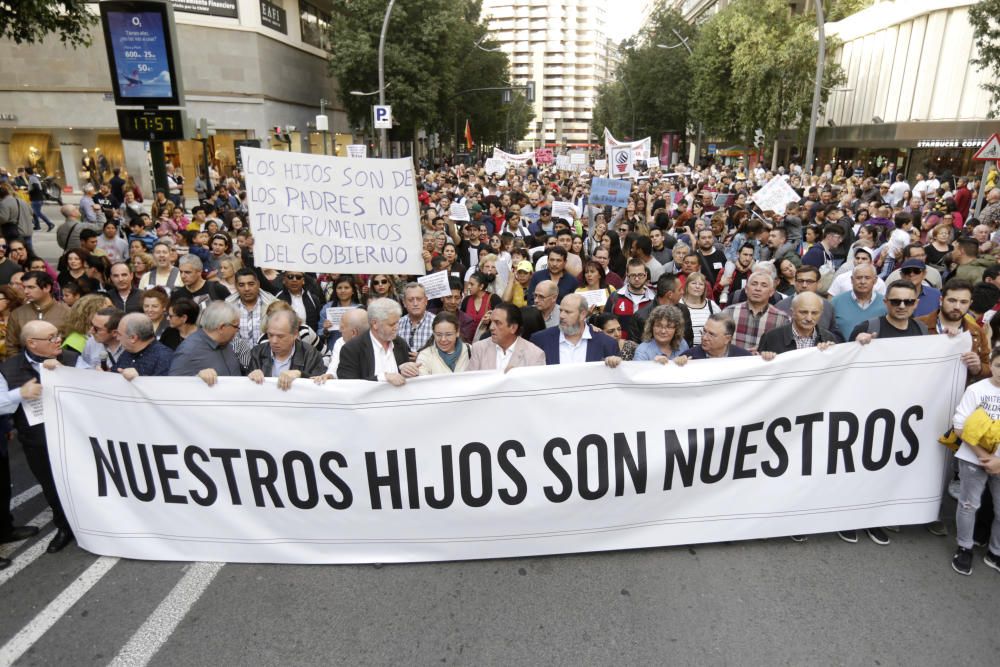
{"points": [[444, 353]]}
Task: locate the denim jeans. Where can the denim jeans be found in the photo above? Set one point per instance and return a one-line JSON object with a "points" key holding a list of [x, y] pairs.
{"points": [[36, 213], [974, 479]]}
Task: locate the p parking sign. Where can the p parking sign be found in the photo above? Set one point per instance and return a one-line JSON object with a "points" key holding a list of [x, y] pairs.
{"points": [[383, 117]]}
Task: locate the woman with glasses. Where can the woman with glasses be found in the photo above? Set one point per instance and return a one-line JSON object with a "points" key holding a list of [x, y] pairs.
{"points": [[663, 336], [444, 353], [381, 286]]}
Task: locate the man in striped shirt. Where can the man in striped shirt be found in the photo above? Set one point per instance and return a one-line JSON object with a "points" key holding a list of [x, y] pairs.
{"points": [[756, 316]]}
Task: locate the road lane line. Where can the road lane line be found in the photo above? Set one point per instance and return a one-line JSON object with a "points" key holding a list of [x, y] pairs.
{"points": [[157, 629], [24, 496], [40, 624]]}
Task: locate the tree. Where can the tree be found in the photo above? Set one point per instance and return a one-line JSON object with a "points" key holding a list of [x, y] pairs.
{"points": [[986, 30], [430, 57], [649, 82], [754, 67], [28, 21]]}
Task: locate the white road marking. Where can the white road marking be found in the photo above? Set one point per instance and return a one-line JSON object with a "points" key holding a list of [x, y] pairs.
{"points": [[157, 629], [40, 624], [24, 496]]}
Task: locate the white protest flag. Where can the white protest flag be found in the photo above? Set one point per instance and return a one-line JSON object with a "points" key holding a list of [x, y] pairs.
{"points": [[775, 196], [563, 163], [641, 149], [354, 471], [435, 284], [357, 150], [333, 214]]}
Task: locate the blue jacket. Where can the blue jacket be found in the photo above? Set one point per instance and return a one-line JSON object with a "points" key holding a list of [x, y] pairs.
{"points": [[599, 346]]}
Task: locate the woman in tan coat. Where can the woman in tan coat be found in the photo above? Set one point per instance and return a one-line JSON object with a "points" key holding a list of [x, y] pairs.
{"points": [[445, 353]]}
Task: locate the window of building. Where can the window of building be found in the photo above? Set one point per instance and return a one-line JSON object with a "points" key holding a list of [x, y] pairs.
{"points": [[315, 25]]}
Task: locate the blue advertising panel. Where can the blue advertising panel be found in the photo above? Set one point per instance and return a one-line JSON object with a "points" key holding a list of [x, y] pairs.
{"points": [[610, 191], [138, 36]]}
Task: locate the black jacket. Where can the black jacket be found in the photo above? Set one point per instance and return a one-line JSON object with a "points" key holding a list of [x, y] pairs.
{"points": [[131, 305], [781, 340], [305, 358], [357, 357], [17, 371], [312, 302]]}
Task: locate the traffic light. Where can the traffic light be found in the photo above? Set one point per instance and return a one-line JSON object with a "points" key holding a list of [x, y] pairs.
{"points": [[758, 138]]}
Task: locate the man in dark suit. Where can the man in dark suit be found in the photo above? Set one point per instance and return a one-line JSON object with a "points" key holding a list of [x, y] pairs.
{"points": [[41, 345], [302, 297], [803, 332], [717, 339], [380, 355], [573, 341]]}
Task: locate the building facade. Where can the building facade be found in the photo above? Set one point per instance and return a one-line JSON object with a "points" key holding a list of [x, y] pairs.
{"points": [[563, 47], [247, 67], [912, 97]]}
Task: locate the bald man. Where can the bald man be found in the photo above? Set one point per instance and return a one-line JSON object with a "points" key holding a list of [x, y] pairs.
{"points": [[40, 344], [804, 330], [353, 323]]}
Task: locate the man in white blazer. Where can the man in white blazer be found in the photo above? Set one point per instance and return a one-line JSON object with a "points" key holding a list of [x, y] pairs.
{"points": [[505, 349]]}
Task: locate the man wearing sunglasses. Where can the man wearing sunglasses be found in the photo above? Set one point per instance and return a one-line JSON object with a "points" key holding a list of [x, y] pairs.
{"points": [[301, 297], [900, 302]]}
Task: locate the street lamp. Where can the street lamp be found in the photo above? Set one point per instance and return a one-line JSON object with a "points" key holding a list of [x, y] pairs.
{"points": [[478, 45], [358, 93], [631, 104], [684, 43], [383, 140]]}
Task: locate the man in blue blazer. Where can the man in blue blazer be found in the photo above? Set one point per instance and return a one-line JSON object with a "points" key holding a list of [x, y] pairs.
{"points": [[574, 342]]}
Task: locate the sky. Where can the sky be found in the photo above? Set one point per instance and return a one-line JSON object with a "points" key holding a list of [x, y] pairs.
{"points": [[623, 18]]}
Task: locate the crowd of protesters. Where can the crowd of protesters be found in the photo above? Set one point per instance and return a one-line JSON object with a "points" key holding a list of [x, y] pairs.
{"points": [[690, 269]]}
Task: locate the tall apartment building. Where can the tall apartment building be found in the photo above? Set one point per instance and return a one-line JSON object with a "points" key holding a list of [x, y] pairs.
{"points": [[563, 47]]}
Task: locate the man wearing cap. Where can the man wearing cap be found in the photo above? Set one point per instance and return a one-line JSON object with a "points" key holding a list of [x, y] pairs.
{"points": [[544, 222], [916, 251], [517, 289], [915, 271]]}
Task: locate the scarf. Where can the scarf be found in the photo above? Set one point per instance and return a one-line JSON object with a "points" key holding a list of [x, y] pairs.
{"points": [[451, 359]]}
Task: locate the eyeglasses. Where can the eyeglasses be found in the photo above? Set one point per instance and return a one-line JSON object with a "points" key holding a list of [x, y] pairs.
{"points": [[380, 282], [911, 271], [230, 324], [445, 335], [54, 338], [636, 275], [805, 281], [901, 302], [292, 276]]}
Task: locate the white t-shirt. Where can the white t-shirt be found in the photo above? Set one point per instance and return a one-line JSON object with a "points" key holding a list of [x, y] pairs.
{"points": [[983, 394]]}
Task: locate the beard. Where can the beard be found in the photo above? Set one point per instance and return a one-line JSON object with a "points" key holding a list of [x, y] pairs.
{"points": [[571, 329]]}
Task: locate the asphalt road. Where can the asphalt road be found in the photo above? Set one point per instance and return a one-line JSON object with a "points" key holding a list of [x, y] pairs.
{"points": [[756, 602]]}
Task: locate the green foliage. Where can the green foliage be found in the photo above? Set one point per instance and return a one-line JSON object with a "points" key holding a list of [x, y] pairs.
{"points": [[754, 67], [430, 56], [835, 10], [29, 21], [652, 81], [985, 20]]}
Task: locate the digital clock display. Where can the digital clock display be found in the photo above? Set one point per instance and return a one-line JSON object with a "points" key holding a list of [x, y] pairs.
{"points": [[146, 125]]}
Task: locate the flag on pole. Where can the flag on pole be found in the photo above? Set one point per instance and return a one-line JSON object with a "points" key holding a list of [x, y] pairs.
{"points": [[468, 135]]}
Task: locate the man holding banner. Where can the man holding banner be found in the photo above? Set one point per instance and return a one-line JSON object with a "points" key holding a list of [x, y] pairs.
{"points": [[381, 355]]}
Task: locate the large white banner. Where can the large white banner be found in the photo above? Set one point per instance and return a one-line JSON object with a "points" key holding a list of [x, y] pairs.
{"points": [[484, 465], [333, 214], [641, 149], [515, 159]]}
